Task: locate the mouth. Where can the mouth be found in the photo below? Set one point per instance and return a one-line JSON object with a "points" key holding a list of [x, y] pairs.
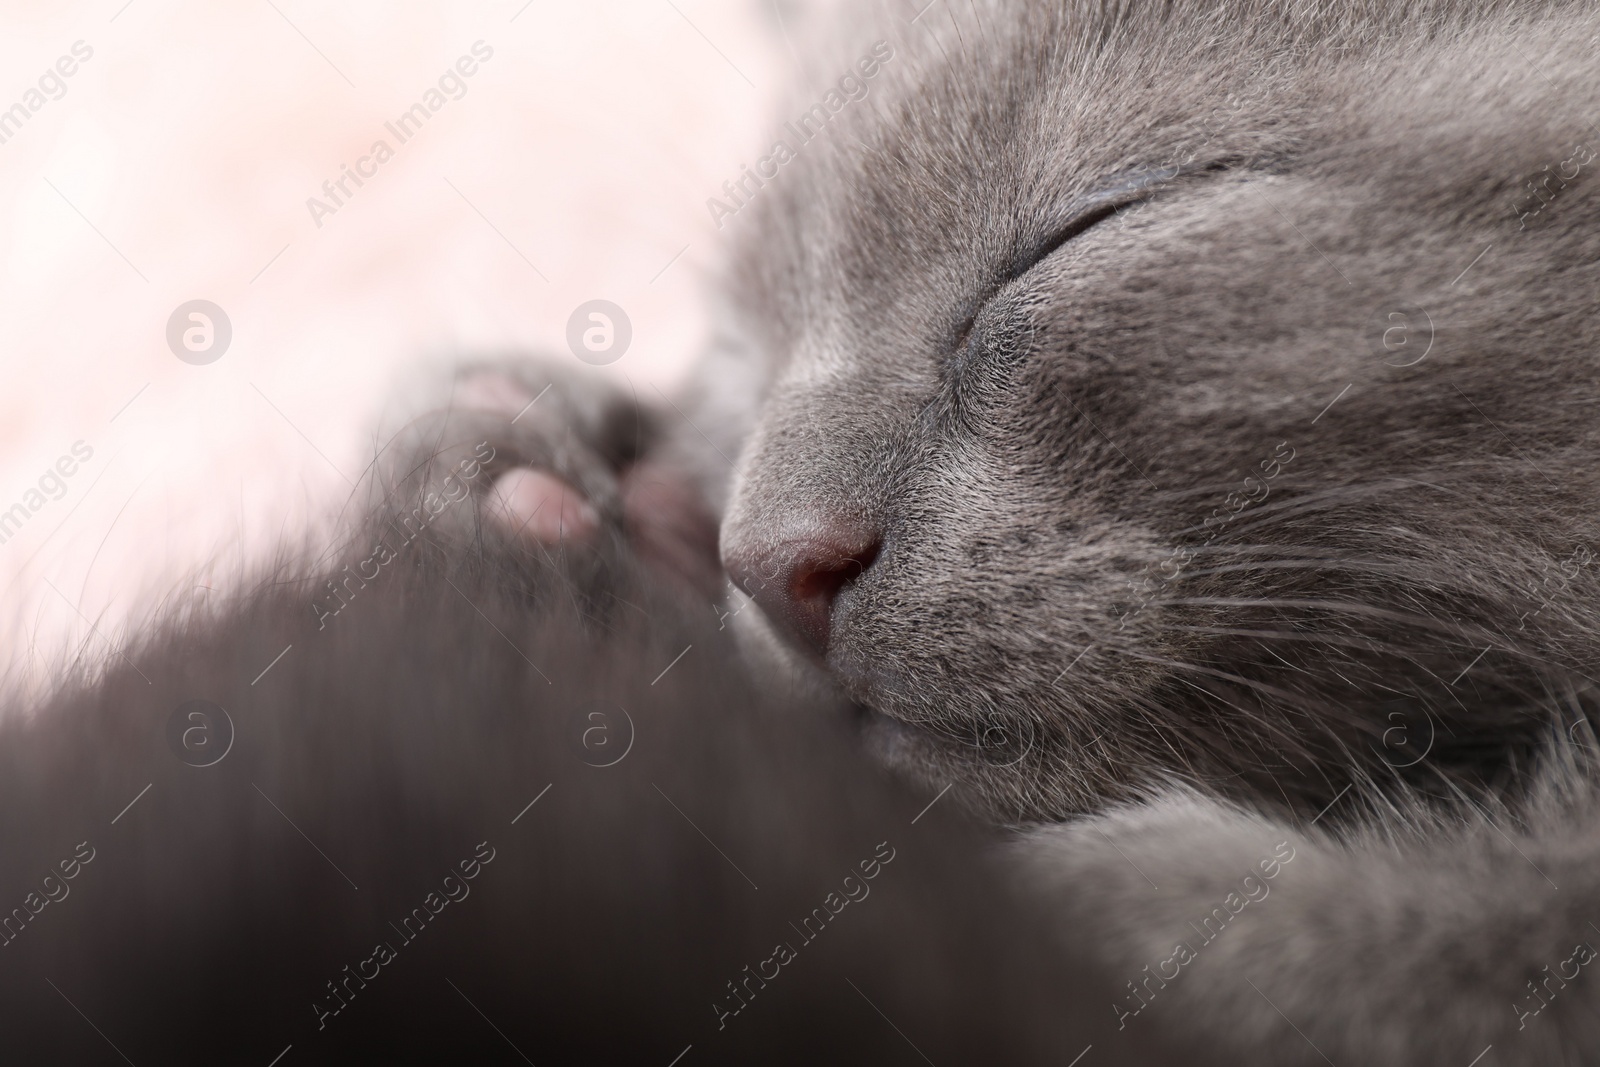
{"points": [[864, 678], [978, 741]]}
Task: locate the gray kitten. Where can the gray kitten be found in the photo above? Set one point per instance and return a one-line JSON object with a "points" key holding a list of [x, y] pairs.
{"points": [[1166, 423], [1156, 420]]}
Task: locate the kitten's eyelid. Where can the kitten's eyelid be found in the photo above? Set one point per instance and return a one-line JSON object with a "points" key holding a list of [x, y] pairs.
{"points": [[1085, 215], [1112, 196], [1083, 219]]}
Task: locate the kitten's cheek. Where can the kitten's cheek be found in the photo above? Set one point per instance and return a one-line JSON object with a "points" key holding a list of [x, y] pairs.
{"points": [[540, 507]]}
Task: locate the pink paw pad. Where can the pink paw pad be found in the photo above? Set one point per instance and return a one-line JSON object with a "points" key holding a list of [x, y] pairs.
{"points": [[540, 507]]}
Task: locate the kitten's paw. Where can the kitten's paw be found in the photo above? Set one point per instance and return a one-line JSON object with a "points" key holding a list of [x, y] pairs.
{"points": [[529, 500], [575, 465]]}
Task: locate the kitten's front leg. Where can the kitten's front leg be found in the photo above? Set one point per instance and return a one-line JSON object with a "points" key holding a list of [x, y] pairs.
{"points": [[1292, 945]]}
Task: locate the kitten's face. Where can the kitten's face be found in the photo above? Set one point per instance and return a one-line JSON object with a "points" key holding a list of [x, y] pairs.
{"points": [[1234, 481]]}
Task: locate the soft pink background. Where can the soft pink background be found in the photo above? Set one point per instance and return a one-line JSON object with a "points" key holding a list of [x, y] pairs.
{"points": [[191, 141]]}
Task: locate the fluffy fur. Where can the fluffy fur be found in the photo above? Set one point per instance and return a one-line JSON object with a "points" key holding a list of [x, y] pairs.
{"points": [[1267, 633], [230, 913]]}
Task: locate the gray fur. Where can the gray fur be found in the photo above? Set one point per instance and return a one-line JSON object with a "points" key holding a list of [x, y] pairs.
{"points": [[1030, 437], [1030, 310]]}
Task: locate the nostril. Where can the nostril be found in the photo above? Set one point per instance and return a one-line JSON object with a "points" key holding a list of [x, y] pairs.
{"points": [[798, 580], [819, 579]]}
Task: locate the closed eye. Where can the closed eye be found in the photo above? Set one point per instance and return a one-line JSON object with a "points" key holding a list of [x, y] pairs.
{"points": [[1082, 215], [1111, 197], [1081, 223], [1116, 193]]}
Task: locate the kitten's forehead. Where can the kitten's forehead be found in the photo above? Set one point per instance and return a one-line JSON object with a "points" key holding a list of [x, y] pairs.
{"points": [[969, 148], [992, 128]]}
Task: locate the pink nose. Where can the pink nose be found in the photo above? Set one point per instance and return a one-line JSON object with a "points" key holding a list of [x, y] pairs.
{"points": [[797, 580]]}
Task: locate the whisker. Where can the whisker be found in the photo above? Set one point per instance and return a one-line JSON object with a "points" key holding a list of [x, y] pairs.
{"points": [[1348, 607], [1292, 504], [1210, 671]]}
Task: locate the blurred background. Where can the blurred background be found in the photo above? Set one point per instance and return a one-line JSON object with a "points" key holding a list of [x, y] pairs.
{"points": [[159, 152]]}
